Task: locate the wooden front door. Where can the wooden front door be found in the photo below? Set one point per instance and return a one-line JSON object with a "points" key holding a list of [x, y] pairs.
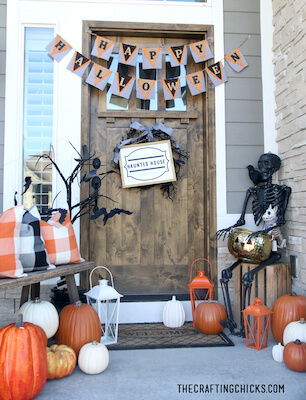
{"points": [[150, 252]]}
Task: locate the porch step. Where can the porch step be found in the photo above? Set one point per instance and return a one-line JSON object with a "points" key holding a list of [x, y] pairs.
{"points": [[151, 297]]}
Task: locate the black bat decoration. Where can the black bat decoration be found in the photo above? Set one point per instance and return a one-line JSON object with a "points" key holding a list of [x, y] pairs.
{"points": [[102, 211]]}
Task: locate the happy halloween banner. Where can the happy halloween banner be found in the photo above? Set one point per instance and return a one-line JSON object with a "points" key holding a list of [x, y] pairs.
{"points": [[122, 85]]}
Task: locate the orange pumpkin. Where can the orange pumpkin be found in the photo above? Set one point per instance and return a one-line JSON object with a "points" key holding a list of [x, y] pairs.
{"points": [[208, 315], [295, 356], [61, 361], [23, 361], [79, 324], [287, 308]]}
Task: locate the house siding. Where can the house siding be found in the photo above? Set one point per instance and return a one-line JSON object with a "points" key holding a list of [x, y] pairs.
{"points": [[2, 91], [289, 69], [243, 100], [243, 112]]}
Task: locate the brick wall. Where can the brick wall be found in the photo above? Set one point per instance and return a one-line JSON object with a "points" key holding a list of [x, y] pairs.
{"points": [[289, 51]]}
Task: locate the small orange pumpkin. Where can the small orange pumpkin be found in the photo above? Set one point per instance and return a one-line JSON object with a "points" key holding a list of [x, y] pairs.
{"points": [[79, 324], [61, 361], [208, 315], [295, 355]]}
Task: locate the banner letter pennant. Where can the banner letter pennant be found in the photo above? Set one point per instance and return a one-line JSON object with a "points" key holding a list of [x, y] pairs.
{"points": [[196, 83], [200, 51], [152, 58], [102, 48], [178, 55], [78, 64], [144, 89], [128, 54], [217, 73], [58, 48], [122, 85], [236, 60], [98, 76], [172, 89]]}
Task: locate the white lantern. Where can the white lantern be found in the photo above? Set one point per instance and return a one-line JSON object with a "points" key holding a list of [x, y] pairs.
{"points": [[105, 300]]}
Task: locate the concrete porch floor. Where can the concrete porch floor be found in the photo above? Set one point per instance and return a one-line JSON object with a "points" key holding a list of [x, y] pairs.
{"points": [[173, 374]]}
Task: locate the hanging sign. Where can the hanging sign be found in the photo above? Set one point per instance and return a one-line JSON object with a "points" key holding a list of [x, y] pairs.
{"points": [[146, 164]]}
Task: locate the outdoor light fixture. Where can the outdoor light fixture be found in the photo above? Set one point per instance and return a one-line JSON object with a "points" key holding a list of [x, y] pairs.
{"points": [[201, 287], [256, 324], [106, 300]]}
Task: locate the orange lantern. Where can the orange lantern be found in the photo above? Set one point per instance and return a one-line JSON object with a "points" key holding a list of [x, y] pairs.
{"points": [[196, 286], [256, 324]]}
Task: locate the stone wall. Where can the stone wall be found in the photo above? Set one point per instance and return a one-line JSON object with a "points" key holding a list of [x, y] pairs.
{"points": [[10, 302], [289, 51]]}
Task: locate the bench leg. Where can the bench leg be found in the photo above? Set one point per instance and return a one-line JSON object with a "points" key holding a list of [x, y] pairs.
{"points": [[35, 290], [24, 294], [72, 289]]}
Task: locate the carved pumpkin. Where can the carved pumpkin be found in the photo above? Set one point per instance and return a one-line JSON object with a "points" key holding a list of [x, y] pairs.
{"points": [[295, 330], [295, 356], [93, 358], [23, 361], [61, 361], [173, 314], [287, 308], [41, 313], [208, 315], [79, 324]]}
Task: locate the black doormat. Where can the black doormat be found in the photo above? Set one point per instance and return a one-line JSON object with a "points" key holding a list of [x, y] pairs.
{"points": [[157, 336]]}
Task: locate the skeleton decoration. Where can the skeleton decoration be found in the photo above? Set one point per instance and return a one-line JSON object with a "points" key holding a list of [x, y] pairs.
{"points": [[269, 205]]}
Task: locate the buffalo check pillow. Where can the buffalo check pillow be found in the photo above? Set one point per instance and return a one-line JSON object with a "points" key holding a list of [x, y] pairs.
{"points": [[60, 241], [10, 224], [33, 255]]}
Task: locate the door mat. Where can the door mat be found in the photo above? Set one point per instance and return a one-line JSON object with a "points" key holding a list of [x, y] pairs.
{"points": [[158, 336]]}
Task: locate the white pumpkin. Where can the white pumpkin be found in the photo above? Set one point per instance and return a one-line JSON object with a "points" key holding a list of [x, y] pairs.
{"points": [[173, 314], [277, 352], [93, 358], [41, 313], [295, 330]]}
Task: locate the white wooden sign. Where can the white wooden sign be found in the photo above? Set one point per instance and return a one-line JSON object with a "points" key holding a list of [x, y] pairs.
{"points": [[146, 164]]}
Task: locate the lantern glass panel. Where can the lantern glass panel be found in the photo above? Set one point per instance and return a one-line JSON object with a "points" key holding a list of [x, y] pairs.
{"points": [[257, 330], [108, 311]]}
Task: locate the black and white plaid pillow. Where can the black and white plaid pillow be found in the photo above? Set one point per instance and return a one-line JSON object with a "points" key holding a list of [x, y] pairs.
{"points": [[33, 255]]}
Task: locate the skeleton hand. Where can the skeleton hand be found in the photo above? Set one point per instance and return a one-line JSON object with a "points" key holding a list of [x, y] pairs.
{"points": [[223, 232], [227, 231], [254, 234]]}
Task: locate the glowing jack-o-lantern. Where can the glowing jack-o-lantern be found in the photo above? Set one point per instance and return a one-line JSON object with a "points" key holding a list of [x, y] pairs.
{"points": [[254, 249]]}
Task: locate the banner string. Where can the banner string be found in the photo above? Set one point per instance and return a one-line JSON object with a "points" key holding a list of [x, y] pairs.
{"points": [[162, 80]]}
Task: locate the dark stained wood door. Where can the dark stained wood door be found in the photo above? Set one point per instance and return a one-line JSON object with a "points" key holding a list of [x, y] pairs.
{"points": [[150, 251]]}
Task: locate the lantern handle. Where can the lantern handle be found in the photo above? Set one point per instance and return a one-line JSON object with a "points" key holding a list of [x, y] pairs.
{"points": [[101, 266], [200, 259]]}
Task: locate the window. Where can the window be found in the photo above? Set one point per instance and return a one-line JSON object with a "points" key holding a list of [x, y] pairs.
{"points": [[115, 102], [37, 116]]}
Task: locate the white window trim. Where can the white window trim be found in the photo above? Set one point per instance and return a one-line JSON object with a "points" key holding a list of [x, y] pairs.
{"points": [[13, 154]]}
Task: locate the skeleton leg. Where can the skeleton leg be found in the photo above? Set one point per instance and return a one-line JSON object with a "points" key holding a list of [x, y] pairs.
{"points": [[248, 278], [225, 277]]}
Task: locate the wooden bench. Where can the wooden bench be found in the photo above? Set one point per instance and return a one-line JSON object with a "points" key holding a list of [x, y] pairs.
{"points": [[33, 279]]}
